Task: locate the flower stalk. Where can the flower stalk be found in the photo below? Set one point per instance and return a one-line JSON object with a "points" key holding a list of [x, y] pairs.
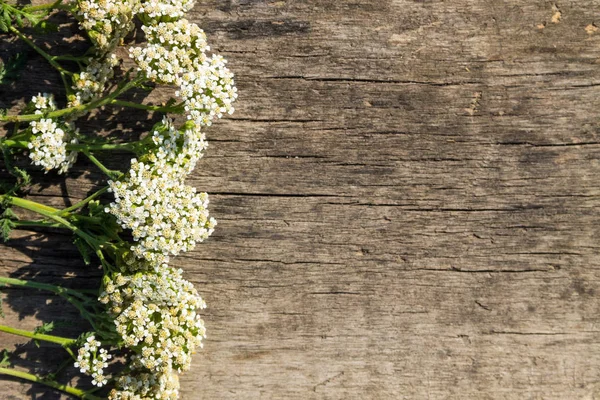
{"points": [[65, 112], [51, 383], [38, 336]]}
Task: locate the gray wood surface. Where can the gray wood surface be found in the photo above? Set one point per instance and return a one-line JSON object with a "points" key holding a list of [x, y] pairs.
{"points": [[408, 202]]}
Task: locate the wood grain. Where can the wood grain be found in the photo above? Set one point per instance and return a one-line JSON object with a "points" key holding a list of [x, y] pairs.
{"points": [[407, 198]]}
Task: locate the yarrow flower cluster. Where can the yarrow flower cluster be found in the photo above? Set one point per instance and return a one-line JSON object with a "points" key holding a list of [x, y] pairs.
{"points": [[208, 91], [48, 144], [176, 54], [165, 216], [107, 22], [175, 152], [146, 386], [173, 48], [92, 359], [164, 9], [156, 316], [88, 84]]}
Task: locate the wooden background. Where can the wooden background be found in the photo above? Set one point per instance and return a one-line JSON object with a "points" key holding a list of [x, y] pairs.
{"points": [[408, 202]]}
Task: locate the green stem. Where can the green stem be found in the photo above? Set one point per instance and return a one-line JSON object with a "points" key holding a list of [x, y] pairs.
{"points": [[122, 103], [53, 384], [83, 202], [72, 58], [61, 291], [38, 336], [44, 224], [68, 350], [131, 146], [47, 56], [20, 144], [111, 174], [48, 7], [72, 296], [90, 220], [30, 205], [15, 130], [105, 264], [51, 213], [19, 136], [122, 88]]}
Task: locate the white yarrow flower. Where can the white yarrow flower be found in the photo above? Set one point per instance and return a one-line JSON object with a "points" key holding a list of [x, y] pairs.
{"points": [[165, 216], [92, 359], [164, 9], [48, 143], [156, 316], [176, 55], [138, 385]]}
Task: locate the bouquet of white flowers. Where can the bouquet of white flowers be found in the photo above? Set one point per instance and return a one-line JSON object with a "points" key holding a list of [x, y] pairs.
{"points": [[144, 311]]}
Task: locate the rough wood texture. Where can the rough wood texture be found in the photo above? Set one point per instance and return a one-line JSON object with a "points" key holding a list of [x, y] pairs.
{"points": [[407, 198]]}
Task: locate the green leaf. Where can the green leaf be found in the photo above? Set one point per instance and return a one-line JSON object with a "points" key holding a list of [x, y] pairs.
{"points": [[6, 18], [19, 20], [34, 19], [4, 363], [84, 249], [6, 227], [11, 70], [45, 328], [23, 177], [46, 27], [83, 337], [10, 214]]}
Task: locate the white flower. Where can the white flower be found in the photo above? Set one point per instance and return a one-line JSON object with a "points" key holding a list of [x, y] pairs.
{"points": [[173, 49], [91, 360], [169, 9], [91, 82], [208, 91], [107, 22], [42, 102], [48, 143], [176, 54], [156, 316], [165, 216], [174, 152], [138, 385]]}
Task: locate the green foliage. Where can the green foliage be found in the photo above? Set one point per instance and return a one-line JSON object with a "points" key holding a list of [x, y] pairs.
{"points": [[6, 227], [23, 178], [84, 249], [10, 13], [83, 337], [1, 309], [10, 71], [46, 27], [7, 223], [109, 224], [4, 363], [45, 328], [9, 213]]}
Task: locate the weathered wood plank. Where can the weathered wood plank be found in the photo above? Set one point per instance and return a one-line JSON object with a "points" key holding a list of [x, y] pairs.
{"points": [[407, 200]]}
